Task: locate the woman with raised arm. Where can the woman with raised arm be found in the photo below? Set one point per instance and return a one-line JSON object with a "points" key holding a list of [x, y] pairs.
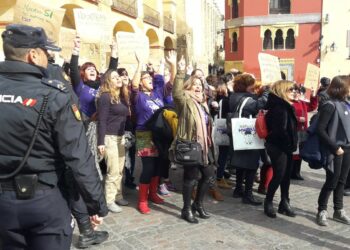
{"points": [[148, 96], [195, 125], [86, 80]]}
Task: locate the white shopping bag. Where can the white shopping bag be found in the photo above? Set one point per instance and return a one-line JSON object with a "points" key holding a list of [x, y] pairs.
{"points": [[244, 134], [219, 135]]}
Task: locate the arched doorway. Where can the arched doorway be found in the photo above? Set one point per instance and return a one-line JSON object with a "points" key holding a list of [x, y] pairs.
{"points": [[123, 26], [168, 43]]}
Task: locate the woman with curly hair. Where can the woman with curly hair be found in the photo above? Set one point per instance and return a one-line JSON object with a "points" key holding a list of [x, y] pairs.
{"points": [[246, 161], [113, 109]]}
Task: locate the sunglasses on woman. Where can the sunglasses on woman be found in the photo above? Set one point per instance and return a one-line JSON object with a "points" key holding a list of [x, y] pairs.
{"points": [[291, 89]]}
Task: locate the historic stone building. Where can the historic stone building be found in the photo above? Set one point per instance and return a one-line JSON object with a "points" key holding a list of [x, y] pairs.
{"points": [[157, 19], [288, 29]]}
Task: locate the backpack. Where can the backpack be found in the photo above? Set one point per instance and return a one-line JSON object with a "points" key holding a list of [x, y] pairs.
{"points": [[312, 151], [162, 131], [260, 125]]}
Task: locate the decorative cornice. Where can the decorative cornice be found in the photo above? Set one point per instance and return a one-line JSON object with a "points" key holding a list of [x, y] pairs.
{"points": [[273, 19]]}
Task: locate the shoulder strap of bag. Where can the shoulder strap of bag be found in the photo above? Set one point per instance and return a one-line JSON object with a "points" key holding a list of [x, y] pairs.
{"points": [[242, 106], [220, 109], [35, 135]]}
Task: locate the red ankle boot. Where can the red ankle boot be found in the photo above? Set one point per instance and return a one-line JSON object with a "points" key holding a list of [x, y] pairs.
{"points": [[153, 187], [143, 202]]}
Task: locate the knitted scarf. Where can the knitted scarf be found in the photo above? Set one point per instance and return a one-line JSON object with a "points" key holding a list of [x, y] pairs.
{"points": [[201, 127]]}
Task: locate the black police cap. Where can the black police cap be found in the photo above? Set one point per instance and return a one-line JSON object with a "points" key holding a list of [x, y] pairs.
{"points": [[24, 36]]}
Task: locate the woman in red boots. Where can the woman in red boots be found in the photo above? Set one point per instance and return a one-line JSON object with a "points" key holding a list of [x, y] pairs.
{"points": [[148, 94]]}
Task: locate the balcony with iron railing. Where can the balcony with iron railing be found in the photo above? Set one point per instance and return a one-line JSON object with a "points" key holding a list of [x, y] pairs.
{"points": [[151, 16], [127, 7], [168, 24]]}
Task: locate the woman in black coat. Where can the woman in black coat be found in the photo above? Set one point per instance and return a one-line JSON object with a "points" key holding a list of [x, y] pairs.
{"points": [[281, 142], [246, 161], [333, 129]]}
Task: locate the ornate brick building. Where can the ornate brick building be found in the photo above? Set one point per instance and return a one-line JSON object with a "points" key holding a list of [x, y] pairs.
{"points": [[288, 29]]}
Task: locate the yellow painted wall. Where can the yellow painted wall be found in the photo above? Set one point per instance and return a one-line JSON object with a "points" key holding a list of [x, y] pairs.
{"points": [[234, 64]]}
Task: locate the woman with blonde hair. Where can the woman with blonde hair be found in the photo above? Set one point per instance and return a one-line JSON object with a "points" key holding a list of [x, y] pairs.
{"points": [[113, 109], [281, 142], [194, 125]]}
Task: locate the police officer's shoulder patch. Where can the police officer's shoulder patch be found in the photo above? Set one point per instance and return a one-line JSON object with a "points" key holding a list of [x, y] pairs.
{"points": [[76, 112], [55, 84]]}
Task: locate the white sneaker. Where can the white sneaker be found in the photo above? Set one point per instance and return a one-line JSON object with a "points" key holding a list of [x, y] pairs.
{"points": [[321, 218], [114, 208], [340, 216]]}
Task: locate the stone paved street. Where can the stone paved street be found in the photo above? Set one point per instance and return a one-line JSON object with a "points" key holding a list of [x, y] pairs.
{"points": [[232, 225]]}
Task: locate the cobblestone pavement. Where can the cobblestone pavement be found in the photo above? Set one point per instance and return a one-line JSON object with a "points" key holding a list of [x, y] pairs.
{"points": [[233, 225]]}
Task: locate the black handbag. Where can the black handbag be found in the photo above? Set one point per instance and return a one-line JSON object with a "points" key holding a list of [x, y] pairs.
{"points": [[188, 153]]}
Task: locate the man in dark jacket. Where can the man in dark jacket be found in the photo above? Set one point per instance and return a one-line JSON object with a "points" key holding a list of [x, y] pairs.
{"points": [[39, 112], [322, 92]]}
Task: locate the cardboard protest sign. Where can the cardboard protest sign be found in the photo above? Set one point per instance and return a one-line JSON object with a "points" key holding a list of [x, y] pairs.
{"points": [[35, 14], [66, 42], [269, 68], [90, 52], [93, 26], [312, 77], [129, 43]]}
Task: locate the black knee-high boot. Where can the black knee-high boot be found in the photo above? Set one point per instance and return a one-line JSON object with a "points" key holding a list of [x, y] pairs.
{"points": [[238, 191], [248, 197], [186, 212], [197, 205], [296, 170]]}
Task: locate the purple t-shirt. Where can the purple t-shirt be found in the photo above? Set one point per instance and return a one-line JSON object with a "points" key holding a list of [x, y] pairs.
{"points": [[86, 98], [145, 105]]}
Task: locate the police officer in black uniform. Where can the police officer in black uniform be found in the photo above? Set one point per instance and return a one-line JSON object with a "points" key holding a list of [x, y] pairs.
{"points": [[41, 133], [88, 235]]}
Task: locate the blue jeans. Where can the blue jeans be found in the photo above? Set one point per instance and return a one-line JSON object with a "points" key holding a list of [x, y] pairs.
{"points": [[223, 153]]}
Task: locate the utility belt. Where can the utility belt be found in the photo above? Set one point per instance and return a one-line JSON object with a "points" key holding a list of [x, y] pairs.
{"points": [[24, 185]]}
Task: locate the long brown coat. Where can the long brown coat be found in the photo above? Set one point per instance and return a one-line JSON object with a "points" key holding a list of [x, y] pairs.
{"points": [[186, 110]]}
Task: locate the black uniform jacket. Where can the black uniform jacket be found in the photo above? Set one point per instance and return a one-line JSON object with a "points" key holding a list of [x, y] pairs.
{"points": [[61, 140]]}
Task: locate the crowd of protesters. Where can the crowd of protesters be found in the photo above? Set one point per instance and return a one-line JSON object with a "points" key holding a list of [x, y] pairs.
{"points": [[121, 117], [188, 102]]}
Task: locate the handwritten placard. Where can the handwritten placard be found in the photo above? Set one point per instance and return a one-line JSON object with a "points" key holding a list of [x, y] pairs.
{"points": [[129, 43], [90, 52], [38, 15], [66, 42], [93, 26], [312, 77], [269, 68]]}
